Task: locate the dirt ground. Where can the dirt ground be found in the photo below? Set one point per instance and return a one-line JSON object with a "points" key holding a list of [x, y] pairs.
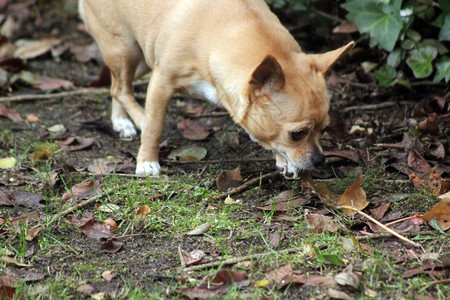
{"points": [[149, 260]]}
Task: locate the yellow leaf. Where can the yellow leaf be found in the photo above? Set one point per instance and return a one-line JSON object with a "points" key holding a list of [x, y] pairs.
{"points": [[7, 163], [441, 213], [354, 196], [261, 283]]}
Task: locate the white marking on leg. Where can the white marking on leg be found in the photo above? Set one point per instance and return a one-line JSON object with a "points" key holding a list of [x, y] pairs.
{"points": [[124, 127], [149, 168]]}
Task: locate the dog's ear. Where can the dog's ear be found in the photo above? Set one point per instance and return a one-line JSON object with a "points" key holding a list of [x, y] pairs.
{"points": [[267, 75], [326, 60]]}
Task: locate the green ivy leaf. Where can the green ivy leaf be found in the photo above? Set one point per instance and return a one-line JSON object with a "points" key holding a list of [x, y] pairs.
{"points": [[408, 44], [434, 43], [370, 17], [445, 5], [394, 58], [444, 34], [443, 70], [420, 61], [386, 75], [413, 35]]}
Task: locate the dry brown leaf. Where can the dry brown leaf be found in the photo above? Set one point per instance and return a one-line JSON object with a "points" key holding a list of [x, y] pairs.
{"points": [[417, 162], [193, 130], [192, 258], [436, 184], [48, 83], [32, 118], [10, 113], [142, 212], [323, 190], [7, 287], [83, 191], [346, 26], [12, 261], [379, 211], [229, 179], [111, 223], [441, 213], [27, 49], [320, 223], [111, 246], [354, 196], [31, 234], [108, 275]]}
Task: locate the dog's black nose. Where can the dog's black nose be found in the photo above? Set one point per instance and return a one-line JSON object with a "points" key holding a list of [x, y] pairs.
{"points": [[318, 159]]}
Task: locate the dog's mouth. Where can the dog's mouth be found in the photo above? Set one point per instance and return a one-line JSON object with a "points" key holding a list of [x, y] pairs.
{"points": [[292, 170]]}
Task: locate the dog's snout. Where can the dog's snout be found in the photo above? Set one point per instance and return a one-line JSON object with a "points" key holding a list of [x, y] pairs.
{"points": [[318, 159]]}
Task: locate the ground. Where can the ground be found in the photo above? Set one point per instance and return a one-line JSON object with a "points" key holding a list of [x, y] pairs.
{"points": [[267, 232]]}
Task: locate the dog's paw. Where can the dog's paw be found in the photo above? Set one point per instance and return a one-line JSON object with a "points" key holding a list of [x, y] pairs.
{"points": [[149, 168], [124, 127]]}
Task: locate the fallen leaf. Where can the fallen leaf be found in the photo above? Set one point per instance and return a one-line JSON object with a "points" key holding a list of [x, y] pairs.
{"points": [[229, 179], [109, 275], [24, 275], [215, 285], [322, 189], [354, 196], [348, 279], [320, 223], [12, 261], [98, 296], [379, 211], [200, 229], [109, 208], [435, 183], [76, 143], [5, 199], [230, 201], [28, 199], [27, 49], [86, 289], [430, 125], [32, 232], [188, 153], [44, 151], [280, 276], [335, 294], [111, 246], [276, 234], [32, 118], [112, 224], [10, 113], [191, 258], [7, 287], [96, 230], [48, 83], [142, 212], [193, 130], [417, 162], [284, 201], [7, 163], [441, 213], [83, 191]]}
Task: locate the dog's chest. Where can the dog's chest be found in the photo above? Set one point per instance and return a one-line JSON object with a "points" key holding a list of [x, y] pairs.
{"points": [[203, 90]]}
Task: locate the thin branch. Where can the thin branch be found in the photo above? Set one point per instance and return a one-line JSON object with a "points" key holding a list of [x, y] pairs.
{"points": [[381, 225], [218, 161], [246, 185], [234, 260], [82, 91]]}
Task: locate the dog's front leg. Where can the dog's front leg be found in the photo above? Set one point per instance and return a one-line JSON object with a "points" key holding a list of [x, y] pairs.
{"points": [[157, 99]]}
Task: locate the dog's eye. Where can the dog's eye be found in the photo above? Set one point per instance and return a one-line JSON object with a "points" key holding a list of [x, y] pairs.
{"points": [[298, 135]]}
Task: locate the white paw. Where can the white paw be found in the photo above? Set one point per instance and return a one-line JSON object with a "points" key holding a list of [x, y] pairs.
{"points": [[124, 127], [149, 168]]}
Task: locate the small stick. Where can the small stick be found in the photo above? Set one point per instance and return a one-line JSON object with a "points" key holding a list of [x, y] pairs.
{"points": [[218, 161], [387, 234], [395, 146], [369, 106], [399, 220], [436, 282], [82, 91], [246, 185], [381, 225], [230, 261]]}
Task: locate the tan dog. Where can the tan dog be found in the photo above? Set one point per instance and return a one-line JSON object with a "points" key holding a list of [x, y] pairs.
{"points": [[234, 53]]}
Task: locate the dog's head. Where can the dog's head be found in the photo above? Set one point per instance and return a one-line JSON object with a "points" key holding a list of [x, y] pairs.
{"points": [[288, 108]]}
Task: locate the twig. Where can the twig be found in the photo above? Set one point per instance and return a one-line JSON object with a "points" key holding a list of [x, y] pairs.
{"points": [[395, 146], [381, 225], [219, 161], [82, 91], [436, 282], [246, 185], [387, 234], [210, 115], [370, 106], [399, 220], [230, 261]]}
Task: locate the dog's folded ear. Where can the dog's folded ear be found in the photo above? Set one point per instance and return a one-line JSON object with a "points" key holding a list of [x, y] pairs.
{"points": [[326, 60], [268, 75]]}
